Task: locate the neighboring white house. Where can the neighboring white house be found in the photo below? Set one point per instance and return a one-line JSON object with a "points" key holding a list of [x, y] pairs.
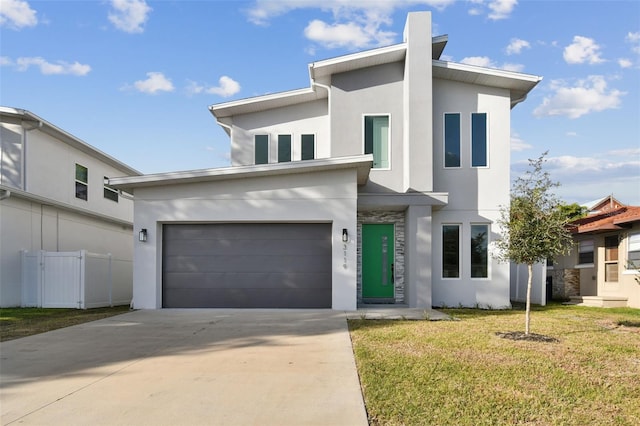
{"points": [[379, 183], [53, 197]]}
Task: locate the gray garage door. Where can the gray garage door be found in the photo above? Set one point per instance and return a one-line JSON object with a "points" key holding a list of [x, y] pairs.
{"points": [[246, 266]]}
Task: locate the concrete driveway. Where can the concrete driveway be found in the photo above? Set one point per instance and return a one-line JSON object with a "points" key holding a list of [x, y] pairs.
{"points": [[186, 367]]}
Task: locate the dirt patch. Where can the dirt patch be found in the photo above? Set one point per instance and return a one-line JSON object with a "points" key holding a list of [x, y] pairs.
{"points": [[531, 337]]}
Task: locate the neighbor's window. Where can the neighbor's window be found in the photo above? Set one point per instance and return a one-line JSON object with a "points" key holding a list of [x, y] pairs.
{"points": [[110, 193], [261, 149], [376, 139], [452, 140], [82, 181], [479, 139], [479, 251], [284, 148], [633, 252], [585, 252], [611, 258], [308, 147], [451, 251]]}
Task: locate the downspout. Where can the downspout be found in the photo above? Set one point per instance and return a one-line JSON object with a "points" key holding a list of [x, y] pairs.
{"points": [[328, 89]]}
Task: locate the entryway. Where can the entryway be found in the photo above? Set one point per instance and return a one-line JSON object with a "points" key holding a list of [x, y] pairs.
{"points": [[378, 249]]}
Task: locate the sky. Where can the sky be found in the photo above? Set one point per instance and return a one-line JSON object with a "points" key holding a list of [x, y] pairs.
{"points": [[134, 78]]}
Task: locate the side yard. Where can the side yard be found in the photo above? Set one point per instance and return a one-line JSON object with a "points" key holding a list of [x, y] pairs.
{"points": [[460, 372]]}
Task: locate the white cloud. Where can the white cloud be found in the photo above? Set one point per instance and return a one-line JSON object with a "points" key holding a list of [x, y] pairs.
{"points": [[227, 87], [571, 134], [633, 37], [46, 67], [156, 82], [586, 96], [486, 62], [518, 144], [516, 45], [625, 63], [583, 49], [512, 67], [17, 14], [129, 15], [501, 9], [350, 35]]}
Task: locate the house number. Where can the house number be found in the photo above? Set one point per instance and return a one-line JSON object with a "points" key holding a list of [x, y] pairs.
{"points": [[344, 260]]}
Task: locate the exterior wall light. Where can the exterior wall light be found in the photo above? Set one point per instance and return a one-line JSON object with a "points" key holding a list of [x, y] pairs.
{"points": [[142, 235], [345, 235]]}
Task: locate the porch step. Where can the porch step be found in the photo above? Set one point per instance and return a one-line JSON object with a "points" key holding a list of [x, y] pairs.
{"points": [[598, 301]]}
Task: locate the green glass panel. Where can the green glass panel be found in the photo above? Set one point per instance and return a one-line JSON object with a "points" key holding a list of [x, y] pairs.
{"points": [[284, 148], [82, 173], [308, 147], [479, 139], [261, 149]]}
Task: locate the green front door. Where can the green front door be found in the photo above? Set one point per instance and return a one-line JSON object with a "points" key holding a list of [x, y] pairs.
{"points": [[377, 263]]}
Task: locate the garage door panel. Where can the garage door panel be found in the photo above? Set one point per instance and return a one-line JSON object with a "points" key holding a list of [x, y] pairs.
{"points": [[264, 265]]}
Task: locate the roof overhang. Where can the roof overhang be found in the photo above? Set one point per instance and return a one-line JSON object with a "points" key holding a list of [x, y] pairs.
{"points": [[519, 84], [362, 164], [270, 101], [354, 61]]}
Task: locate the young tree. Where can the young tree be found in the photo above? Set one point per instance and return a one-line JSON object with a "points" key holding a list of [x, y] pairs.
{"points": [[534, 225]]}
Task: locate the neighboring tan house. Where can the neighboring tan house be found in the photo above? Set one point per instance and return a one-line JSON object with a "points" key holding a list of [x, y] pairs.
{"points": [[53, 198], [379, 183], [603, 268]]}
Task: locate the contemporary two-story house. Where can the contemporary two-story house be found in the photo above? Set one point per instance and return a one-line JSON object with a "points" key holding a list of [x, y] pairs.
{"points": [[381, 182], [53, 197]]}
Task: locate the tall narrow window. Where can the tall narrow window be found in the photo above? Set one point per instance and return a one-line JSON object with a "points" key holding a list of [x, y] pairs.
{"points": [[611, 258], [261, 149], [451, 251], [82, 181], [479, 139], [284, 148], [633, 252], [308, 147], [585, 252], [109, 193], [479, 251], [376, 139], [452, 140]]}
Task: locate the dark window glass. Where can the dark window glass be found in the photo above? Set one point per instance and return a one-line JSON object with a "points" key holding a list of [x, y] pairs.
{"points": [[82, 178], [479, 140], [451, 251], [452, 140], [479, 251], [81, 191], [308, 147], [376, 139], [585, 252], [284, 148], [261, 149]]}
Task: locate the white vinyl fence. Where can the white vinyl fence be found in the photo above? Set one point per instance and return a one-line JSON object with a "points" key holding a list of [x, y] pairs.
{"points": [[76, 279], [519, 275]]}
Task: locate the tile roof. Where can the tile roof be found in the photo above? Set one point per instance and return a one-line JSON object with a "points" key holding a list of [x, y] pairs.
{"points": [[607, 221]]}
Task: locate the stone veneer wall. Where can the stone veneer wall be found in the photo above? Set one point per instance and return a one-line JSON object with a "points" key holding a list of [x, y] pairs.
{"points": [[397, 218], [566, 283]]}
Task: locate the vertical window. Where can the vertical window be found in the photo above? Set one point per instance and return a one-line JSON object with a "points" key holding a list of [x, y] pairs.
{"points": [[284, 148], [611, 258], [308, 147], [451, 251], [110, 193], [633, 252], [585, 252], [82, 180], [479, 139], [479, 251], [376, 139], [452, 140], [261, 149]]}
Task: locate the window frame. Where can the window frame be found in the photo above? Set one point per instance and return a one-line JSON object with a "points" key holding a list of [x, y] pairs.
{"points": [[364, 144], [592, 251], [79, 183], [108, 190], [487, 265], [444, 140], [255, 147], [611, 251], [444, 251], [472, 139], [302, 135], [631, 243]]}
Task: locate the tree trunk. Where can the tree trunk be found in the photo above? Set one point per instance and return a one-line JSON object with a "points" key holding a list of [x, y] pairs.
{"points": [[527, 315]]}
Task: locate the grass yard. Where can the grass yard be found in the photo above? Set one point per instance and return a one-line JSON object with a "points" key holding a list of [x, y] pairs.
{"points": [[21, 322], [460, 373]]}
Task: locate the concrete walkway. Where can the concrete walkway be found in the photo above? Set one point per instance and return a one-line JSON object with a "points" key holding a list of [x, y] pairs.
{"points": [[186, 367]]}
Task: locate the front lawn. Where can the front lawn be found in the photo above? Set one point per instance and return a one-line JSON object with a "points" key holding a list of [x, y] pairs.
{"points": [[461, 373]]}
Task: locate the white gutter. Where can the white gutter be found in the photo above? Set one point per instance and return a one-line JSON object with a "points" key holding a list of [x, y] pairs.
{"points": [[328, 89]]}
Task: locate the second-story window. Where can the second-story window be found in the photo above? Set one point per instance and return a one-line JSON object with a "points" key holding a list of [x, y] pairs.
{"points": [[452, 140], [376, 139], [479, 139], [261, 149], [308, 147], [82, 182], [284, 148], [109, 193]]}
